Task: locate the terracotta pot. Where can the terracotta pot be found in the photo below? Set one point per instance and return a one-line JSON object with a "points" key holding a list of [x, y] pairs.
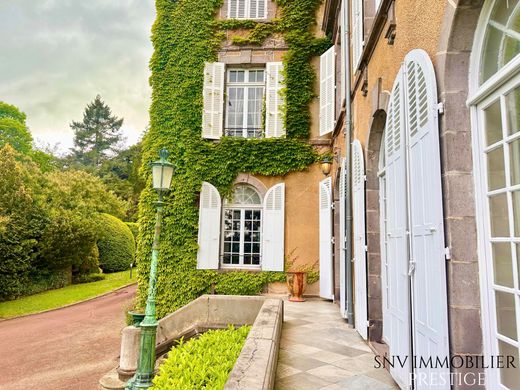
{"points": [[296, 285]]}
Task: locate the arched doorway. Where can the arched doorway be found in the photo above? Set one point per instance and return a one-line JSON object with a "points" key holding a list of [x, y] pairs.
{"points": [[495, 116]]}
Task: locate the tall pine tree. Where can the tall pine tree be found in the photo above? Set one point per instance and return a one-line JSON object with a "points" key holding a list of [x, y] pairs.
{"points": [[97, 135]]}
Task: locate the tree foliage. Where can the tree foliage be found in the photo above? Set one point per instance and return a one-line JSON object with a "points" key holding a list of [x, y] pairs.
{"points": [[13, 129], [47, 223], [98, 134]]}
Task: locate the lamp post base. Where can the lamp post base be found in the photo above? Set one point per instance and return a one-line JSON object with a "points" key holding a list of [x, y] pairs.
{"points": [[145, 372]]}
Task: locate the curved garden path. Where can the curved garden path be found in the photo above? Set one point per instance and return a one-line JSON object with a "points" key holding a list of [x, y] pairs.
{"points": [[69, 348]]}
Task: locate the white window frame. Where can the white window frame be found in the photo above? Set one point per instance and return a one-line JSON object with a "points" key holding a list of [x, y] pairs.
{"points": [[481, 96], [247, 11], [243, 208], [246, 85]]}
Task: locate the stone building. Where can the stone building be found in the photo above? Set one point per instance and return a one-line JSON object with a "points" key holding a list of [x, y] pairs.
{"points": [[430, 118], [417, 226]]}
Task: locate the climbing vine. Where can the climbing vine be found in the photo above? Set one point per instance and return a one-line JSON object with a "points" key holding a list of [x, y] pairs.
{"points": [[185, 36]]}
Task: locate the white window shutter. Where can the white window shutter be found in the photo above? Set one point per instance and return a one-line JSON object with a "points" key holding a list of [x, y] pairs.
{"points": [[326, 274], [327, 91], [274, 123], [344, 48], [342, 239], [426, 217], [209, 227], [358, 233], [262, 9], [273, 230], [213, 115], [357, 32]]}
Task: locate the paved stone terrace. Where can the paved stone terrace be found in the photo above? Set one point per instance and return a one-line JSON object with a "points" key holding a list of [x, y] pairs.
{"points": [[319, 351]]}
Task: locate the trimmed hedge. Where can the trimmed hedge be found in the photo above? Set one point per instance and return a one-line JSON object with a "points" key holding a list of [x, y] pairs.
{"points": [[202, 363], [134, 227], [116, 244]]}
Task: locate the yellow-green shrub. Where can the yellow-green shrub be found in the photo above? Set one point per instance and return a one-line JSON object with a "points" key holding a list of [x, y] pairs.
{"points": [[116, 244], [202, 363]]}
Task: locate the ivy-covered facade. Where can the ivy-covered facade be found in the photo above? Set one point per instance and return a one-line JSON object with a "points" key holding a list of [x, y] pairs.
{"points": [[235, 102]]}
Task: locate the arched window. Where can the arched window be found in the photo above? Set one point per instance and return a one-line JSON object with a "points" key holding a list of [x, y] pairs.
{"points": [[242, 227], [495, 108]]}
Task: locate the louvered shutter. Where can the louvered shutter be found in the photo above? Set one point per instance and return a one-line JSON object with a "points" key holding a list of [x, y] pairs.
{"points": [[257, 9], [358, 214], [427, 266], [326, 270], [357, 32], [274, 123], [273, 231], [344, 48], [327, 91], [237, 9], [213, 116], [342, 240], [209, 227], [397, 327]]}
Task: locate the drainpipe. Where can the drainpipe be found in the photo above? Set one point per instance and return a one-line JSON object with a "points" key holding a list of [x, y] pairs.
{"points": [[347, 132]]}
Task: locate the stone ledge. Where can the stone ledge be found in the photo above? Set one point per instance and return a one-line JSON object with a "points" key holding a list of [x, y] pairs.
{"points": [[255, 368]]}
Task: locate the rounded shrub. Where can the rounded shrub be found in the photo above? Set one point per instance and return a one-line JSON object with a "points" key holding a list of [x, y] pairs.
{"points": [[116, 244], [134, 227]]}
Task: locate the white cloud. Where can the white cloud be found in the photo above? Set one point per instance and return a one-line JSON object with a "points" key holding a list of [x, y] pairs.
{"points": [[59, 54]]}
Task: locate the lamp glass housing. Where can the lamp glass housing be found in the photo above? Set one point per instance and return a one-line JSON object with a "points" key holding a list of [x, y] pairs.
{"points": [[162, 173], [326, 167]]}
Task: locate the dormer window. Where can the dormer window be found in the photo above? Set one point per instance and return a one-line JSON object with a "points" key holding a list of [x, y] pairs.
{"points": [[247, 9]]}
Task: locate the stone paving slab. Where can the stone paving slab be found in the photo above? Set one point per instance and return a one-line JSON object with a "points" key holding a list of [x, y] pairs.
{"points": [[319, 351]]}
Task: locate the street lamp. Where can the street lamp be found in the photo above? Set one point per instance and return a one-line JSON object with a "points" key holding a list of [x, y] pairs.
{"points": [[162, 173]]}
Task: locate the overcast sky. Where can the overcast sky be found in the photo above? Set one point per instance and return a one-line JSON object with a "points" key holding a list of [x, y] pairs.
{"points": [[57, 55]]}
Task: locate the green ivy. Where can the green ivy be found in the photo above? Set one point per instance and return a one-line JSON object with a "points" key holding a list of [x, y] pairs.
{"points": [[185, 36]]}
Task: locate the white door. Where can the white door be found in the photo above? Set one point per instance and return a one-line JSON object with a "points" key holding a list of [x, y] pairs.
{"points": [[414, 269], [342, 240], [427, 260], [360, 261], [326, 270], [397, 313]]}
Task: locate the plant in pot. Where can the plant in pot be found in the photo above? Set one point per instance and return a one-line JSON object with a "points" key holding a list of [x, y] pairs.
{"points": [[298, 276]]}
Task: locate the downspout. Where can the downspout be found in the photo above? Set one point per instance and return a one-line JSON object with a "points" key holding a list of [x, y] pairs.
{"points": [[347, 132]]}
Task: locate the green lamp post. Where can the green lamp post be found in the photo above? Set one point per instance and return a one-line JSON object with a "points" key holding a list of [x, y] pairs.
{"points": [[162, 173]]}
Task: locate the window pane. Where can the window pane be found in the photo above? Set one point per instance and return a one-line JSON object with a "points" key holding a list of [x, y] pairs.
{"points": [[254, 111], [509, 377], [498, 215], [235, 108], [244, 194], [506, 314], [493, 123], [516, 212], [514, 161], [518, 260], [491, 52], [502, 263], [496, 170], [513, 111], [500, 46]]}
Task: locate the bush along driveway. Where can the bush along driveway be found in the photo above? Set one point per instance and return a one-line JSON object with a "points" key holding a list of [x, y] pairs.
{"points": [[64, 296], [64, 349]]}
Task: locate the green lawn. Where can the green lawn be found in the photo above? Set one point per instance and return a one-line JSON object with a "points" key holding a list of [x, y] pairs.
{"points": [[64, 296]]}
